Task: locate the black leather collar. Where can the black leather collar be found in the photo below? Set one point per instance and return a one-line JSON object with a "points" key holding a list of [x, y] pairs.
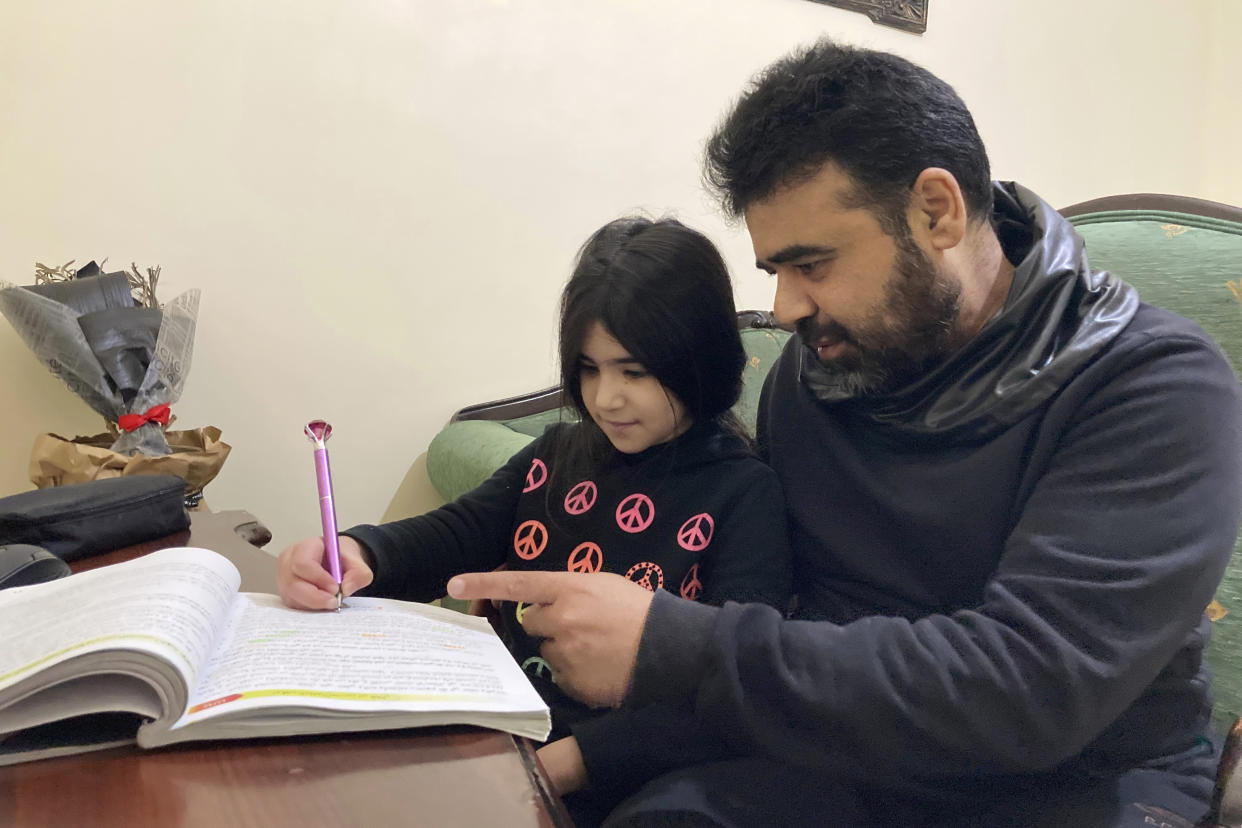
{"points": [[1058, 315]]}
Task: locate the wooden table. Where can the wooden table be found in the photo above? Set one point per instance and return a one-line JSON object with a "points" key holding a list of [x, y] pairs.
{"points": [[446, 776]]}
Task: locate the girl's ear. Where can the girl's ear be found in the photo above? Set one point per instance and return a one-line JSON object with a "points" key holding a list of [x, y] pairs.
{"points": [[937, 211]]}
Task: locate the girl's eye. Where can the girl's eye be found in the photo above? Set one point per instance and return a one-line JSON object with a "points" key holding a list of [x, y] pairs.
{"points": [[635, 373], [587, 369]]}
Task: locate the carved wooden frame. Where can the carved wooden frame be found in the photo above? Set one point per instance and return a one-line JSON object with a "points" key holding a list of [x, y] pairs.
{"points": [[1156, 202], [907, 15]]}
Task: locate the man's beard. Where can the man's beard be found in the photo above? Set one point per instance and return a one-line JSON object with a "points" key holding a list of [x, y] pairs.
{"points": [[914, 329]]}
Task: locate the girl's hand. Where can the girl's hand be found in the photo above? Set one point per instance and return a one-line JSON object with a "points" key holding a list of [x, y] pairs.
{"points": [[303, 581], [563, 762]]}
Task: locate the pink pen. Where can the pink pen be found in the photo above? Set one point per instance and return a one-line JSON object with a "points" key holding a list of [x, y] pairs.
{"points": [[319, 431]]}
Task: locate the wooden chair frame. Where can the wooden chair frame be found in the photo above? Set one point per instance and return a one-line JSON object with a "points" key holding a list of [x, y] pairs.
{"points": [[1155, 202]]}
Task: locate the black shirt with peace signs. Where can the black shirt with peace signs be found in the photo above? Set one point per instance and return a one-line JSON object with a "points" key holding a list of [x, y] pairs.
{"points": [[700, 517]]}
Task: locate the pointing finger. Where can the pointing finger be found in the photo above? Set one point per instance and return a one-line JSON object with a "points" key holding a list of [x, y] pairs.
{"points": [[527, 587]]}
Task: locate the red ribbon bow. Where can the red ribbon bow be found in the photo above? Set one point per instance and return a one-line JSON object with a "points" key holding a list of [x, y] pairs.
{"points": [[155, 414]]}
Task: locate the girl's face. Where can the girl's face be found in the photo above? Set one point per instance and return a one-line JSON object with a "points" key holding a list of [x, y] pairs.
{"points": [[632, 408]]}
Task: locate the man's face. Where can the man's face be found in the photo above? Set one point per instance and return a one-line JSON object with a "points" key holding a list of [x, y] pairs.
{"points": [[873, 308]]}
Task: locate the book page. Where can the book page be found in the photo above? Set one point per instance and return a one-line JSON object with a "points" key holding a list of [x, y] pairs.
{"points": [[374, 655], [169, 603]]}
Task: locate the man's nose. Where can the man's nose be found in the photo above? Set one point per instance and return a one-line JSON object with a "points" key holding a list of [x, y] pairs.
{"points": [[791, 302]]}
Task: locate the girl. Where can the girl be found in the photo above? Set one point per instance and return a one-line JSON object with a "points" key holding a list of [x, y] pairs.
{"points": [[656, 482]]}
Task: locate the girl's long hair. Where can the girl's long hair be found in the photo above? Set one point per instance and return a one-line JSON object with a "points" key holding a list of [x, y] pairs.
{"points": [[663, 292]]}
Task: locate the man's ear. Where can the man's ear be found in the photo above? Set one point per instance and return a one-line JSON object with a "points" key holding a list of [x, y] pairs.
{"points": [[937, 211]]}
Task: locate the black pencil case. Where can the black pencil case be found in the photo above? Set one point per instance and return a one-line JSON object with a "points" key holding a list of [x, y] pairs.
{"points": [[84, 519]]}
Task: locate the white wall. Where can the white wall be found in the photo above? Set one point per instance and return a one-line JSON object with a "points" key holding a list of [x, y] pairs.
{"points": [[1221, 173], [381, 198]]}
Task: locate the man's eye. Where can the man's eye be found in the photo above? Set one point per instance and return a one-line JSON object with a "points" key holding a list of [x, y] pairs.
{"points": [[807, 268]]}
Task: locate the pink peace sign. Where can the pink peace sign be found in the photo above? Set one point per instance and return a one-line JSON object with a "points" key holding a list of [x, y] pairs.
{"points": [[691, 586], [530, 539], [696, 533], [581, 498], [586, 557], [535, 477], [635, 513], [646, 575]]}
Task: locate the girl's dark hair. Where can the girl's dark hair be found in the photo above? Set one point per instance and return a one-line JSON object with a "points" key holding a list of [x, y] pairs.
{"points": [[663, 292]]}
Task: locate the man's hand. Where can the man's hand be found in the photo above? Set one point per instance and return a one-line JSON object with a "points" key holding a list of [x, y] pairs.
{"points": [[305, 584], [562, 760], [591, 625]]}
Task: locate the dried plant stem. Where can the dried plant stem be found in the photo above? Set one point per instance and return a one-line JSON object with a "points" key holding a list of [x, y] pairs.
{"points": [[144, 286], [45, 274], [141, 287]]}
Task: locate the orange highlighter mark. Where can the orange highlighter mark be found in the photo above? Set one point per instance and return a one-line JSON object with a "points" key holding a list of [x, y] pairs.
{"points": [[215, 702]]}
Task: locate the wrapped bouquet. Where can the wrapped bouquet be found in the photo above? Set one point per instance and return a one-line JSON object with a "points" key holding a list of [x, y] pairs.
{"points": [[125, 356]]}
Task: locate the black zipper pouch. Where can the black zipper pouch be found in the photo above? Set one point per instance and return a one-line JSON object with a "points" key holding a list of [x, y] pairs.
{"points": [[85, 519]]}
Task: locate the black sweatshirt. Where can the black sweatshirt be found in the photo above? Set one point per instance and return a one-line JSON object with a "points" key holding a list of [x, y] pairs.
{"points": [[699, 517], [999, 576]]}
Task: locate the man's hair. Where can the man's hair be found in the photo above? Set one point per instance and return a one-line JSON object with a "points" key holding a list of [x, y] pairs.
{"points": [[881, 119]]}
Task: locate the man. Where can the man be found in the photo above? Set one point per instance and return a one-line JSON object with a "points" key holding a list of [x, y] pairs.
{"points": [[1012, 488]]}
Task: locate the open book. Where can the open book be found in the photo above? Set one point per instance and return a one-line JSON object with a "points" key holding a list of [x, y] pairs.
{"points": [[164, 649]]}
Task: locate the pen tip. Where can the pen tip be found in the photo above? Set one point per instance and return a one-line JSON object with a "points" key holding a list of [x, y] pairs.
{"points": [[338, 597]]}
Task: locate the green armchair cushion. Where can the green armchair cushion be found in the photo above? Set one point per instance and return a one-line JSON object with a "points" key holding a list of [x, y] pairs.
{"points": [[1189, 264], [466, 453], [763, 346]]}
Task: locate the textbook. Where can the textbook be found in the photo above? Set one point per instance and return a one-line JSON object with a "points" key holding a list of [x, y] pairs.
{"points": [[164, 649]]}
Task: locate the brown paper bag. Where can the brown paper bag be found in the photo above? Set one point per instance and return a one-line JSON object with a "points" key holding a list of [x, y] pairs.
{"points": [[197, 455]]}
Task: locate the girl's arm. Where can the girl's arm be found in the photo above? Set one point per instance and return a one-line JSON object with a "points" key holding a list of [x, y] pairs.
{"points": [[413, 559]]}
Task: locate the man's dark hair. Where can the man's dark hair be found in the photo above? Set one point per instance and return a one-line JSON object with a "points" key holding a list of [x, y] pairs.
{"points": [[878, 117]]}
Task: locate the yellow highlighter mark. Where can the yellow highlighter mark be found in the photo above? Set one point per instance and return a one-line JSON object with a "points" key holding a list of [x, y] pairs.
{"points": [[341, 695], [91, 643]]}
